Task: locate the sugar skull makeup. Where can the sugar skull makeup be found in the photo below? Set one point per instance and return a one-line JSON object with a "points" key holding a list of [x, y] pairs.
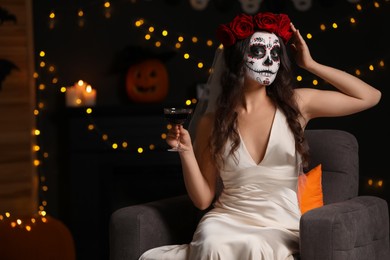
{"points": [[263, 57]]}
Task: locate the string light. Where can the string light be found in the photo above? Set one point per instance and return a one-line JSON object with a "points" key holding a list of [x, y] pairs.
{"points": [[26, 224], [139, 23], [45, 72], [150, 30], [378, 183], [373, 65], [107, 9], [150, 33], [52, 21], [177, 39]]}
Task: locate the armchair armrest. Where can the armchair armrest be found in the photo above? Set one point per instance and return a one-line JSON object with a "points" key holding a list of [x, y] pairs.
{"points": [[137, 228], [354, 229]]}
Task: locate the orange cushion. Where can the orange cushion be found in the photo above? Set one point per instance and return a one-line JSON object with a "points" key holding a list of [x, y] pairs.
{"points": [[310, 194]]}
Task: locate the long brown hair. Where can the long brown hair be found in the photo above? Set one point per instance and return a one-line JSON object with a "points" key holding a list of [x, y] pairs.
{"points": [[280, 91]]}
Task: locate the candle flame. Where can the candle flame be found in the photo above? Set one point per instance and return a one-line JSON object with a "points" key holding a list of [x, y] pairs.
{"points": [[80, 82]]}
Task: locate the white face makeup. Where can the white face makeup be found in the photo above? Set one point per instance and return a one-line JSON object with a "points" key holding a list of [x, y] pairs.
{"points": [[263, 57]]}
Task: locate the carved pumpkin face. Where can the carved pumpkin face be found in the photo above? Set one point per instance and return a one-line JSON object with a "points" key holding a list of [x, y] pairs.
{"points": [[147, 81]]}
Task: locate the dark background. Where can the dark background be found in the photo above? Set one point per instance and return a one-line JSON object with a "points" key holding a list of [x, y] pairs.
{"points": [[87, 179]]}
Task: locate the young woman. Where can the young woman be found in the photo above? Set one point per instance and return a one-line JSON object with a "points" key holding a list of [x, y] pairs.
{"points": [[251, 138]]}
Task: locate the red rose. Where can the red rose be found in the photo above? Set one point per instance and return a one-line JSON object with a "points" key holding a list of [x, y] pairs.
{"points": [[266, 21], [225, 35], [242, 26], [284, 30]]}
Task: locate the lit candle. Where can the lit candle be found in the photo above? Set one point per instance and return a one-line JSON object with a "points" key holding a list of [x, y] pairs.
{"points": [[72, 97], [80, 88], [89, 96]]}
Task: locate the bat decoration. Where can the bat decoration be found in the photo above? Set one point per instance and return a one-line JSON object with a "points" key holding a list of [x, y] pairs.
{"points": [[6, 16], [6, 67]]}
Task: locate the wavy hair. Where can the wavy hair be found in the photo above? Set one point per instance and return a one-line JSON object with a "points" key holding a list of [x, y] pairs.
{"points": [[280, 91]]}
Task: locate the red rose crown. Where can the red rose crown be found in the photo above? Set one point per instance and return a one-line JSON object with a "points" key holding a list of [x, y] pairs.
{"points": [[244, 25]]}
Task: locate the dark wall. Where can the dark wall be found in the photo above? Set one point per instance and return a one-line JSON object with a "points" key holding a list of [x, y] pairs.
{"points": [[88, 52]]}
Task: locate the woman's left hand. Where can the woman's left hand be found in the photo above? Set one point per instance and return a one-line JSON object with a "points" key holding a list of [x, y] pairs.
{"points": [[300, 49]]}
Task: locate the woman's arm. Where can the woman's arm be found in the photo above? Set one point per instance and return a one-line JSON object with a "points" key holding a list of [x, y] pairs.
{"points": [[199, 172], [353, 96]]}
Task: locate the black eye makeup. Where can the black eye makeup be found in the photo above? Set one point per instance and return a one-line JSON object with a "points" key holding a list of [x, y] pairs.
{"points": [[257, 51], [275, 53]]}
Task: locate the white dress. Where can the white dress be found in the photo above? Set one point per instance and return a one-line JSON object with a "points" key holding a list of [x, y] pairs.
{"points": [[257, 214]]}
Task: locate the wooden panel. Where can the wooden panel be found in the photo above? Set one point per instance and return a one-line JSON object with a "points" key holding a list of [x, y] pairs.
{"points": [[18, 177]]}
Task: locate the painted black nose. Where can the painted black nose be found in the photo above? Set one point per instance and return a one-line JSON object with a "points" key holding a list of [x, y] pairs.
{"points": [[267, 62]]}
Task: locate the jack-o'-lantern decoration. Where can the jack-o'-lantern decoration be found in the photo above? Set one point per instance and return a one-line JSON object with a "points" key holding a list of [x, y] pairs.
{"points": [[144, 73], [36, 238], [147, 81]]}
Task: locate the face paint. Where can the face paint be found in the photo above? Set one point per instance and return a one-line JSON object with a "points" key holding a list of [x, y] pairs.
{"points": [[263, 57]]}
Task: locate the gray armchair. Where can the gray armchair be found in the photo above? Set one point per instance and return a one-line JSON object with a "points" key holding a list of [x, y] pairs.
{"points": [[347, 227]]}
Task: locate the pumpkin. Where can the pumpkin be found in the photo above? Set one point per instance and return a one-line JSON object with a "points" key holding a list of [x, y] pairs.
{"points": [[47, 240], [147, 81]]}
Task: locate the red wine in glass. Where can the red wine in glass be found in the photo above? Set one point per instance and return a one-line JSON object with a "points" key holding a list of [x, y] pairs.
{"points": [[176, 116]]}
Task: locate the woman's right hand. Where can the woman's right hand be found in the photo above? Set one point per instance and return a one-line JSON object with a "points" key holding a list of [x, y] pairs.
{"points": [[179, 134]]}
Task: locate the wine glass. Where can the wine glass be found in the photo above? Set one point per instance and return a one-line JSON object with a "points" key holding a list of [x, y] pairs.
{"points": [[176, 116]]}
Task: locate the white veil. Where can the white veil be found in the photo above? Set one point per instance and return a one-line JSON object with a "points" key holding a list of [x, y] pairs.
{"points": [[212, 89]]}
